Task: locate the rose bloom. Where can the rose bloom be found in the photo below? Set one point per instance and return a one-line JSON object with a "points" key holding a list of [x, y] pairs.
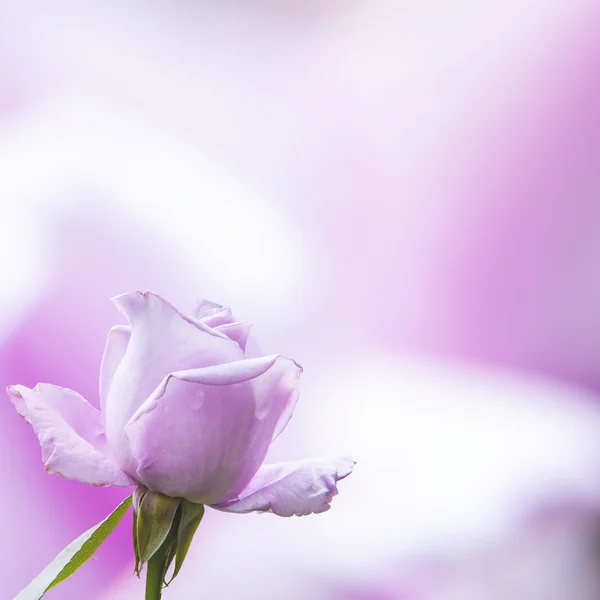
{"points": [[184, 413]]}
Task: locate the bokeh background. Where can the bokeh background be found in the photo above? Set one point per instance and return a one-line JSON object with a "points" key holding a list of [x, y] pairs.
{"points": [[403, 196]]}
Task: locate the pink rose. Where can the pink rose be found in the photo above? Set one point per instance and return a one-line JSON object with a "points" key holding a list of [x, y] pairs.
{"points": [[184, 413]]}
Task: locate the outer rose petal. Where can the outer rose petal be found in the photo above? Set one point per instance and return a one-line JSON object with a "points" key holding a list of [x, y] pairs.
{"points": [[287, 411], [238, 332], [114, 351], [70, 433], [162, 341], [294, 488], [204, 433]]}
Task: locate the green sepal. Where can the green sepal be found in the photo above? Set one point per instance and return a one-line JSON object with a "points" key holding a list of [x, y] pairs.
{"points": [[136, 500], [191, 515], [170, 555], [162, 533], [138, 565], [161, 560], [155, 514], [74, 555]]}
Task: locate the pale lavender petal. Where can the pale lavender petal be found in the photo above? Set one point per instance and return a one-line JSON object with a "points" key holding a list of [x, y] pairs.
{"points": [[212, 314], [162, 341], [288, 405], [70, 432], [114, 351], [205, 432], [238, 332], [222, 317], [294, 488], [204, 308]]}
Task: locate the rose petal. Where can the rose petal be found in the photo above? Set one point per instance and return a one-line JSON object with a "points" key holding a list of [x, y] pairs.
{"points": [[204, 433], [205, 308], [238, 332], [114, 351], [287, 408], [162, 341], [294, 488], [212, 314], [222, 317], [70, 433]]}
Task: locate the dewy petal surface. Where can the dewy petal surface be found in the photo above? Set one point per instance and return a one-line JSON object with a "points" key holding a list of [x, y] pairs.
{"points": [[205, 432], [162, 341], [70, 432], [294, 488], [116, 346]]}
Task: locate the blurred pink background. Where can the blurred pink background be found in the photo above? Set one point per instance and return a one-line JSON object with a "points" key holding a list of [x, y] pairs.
{"points": [[404, 197]]}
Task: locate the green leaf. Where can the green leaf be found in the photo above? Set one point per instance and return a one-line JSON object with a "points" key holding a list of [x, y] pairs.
{"points": [[191, 515], [154, 519], [74, 555]]}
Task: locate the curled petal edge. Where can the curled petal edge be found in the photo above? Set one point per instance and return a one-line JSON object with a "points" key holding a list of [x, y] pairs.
{"points": [[135, 306], [295, 488], [223, 374]]}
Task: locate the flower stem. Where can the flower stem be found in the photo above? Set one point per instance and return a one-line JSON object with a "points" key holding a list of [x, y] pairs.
{"points": [[155, 574]]}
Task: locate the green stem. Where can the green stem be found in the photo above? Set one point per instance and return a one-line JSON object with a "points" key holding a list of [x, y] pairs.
{"points": [[155, 574]]}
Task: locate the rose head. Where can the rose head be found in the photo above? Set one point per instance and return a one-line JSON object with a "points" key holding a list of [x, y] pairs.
{"points": [[183, 413]]}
